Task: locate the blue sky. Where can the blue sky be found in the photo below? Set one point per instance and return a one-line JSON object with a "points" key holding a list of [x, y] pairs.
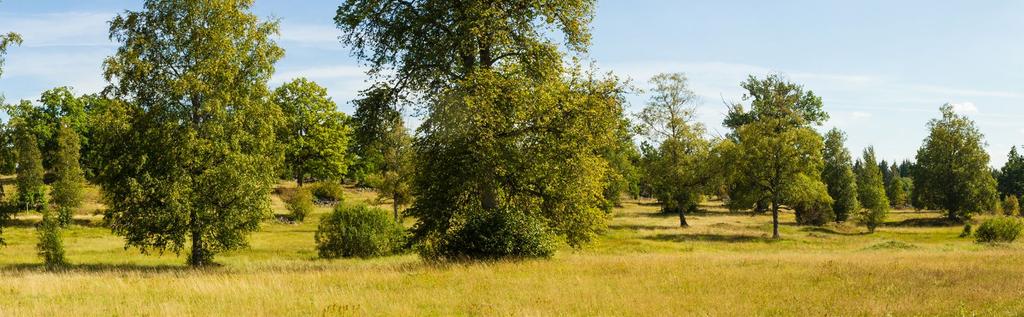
{"points": [[883, 68]]}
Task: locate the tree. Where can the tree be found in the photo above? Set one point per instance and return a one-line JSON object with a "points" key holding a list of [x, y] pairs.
{"points": [[31, 190], [393, 179], [508, 127], [1011, 176], [376, 115], [777, 149], [871, 191], [952, 172], [66, 190], [6, 41], [1011, 207], [838, 175], [898, 188], [51, 245], [315, 134], [678, 173], [188, 152]]}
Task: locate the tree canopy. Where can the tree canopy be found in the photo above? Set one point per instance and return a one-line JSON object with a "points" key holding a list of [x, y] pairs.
{"points": [[189, 152], [838, 175], [315, 134], [952, 172], [1011, 176]]}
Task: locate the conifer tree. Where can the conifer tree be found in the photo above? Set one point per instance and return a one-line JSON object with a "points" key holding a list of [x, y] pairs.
{"points": [[66, 190], [839, 177], [871, 191]]}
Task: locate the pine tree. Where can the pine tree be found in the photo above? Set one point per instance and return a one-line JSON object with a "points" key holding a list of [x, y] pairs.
{"points": [[31, 190], [871, 191], [50, 246], [839, 177]]}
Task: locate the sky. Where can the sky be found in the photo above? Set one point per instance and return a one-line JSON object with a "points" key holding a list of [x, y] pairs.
{"points": [[882, 68]]}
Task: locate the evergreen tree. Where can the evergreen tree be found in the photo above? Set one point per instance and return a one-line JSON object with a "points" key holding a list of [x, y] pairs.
{"points": [[1011, 176], [1011, 207], [51, 245], [31, 190], [66, 190], [839, 177], [188, 152], [952, 172], [871, 191]]}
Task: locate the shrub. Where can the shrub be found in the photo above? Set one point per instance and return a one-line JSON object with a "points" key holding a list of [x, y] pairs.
{"points": [[999, 229], [872, 218], [329, 192], [1011, 207], [50, 246], [64, 216], [814, 214], [503, 234], [358, 231], [300, 204], [967, 231]]}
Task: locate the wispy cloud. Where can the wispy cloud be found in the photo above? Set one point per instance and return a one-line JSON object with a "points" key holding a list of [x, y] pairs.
{"points": [[964, 107], [322, 36], [64, 29]]}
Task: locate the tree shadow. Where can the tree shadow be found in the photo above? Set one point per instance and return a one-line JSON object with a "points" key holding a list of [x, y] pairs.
{"points": [[925, 222], [642, 227], [832, 231], [102, 268], [31, 223], [703, 237]]}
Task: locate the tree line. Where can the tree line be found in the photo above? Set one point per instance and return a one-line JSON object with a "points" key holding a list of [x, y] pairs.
{"points": [[523, 146]]}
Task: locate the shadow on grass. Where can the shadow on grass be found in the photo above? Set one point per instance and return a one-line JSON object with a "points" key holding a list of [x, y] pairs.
{"points": [[31, 223], [103, 268], [925, 222], [832, 231], [641, 227], [690, 237]]}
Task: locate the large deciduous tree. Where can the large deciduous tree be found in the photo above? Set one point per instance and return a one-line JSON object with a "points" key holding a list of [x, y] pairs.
{"points": [[778, 155], [952, 172], [678, 170], [508, 129], [315, 134], [189, 152], [838, 175]]}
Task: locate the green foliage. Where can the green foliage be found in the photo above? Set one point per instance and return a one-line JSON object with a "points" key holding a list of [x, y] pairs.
{"points": [[7, 41], [952, 172], [871, 191], [777, 151], [51, 246], [811, 202], [66, 190], [967, 231], [329, 192], [315, 134], [1011, 207], [31, 190], [375, 120], [188, 151], [358, 231], [678, 171], [1011, 176], [300, 204], [504, 234], [999, 229], [838, 175]]}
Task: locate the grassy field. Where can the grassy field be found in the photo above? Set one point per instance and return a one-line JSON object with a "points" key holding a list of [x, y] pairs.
{"points": [[644, 265]]}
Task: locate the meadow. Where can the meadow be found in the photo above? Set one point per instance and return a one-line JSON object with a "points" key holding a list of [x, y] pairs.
{"points": [[724, 264]]}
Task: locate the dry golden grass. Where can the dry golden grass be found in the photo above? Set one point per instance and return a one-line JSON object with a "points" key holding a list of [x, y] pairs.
{"points": [[644, 265]]}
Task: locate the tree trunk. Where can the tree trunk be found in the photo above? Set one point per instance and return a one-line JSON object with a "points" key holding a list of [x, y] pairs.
{"points": [[775, 220], [394, 206], [682, 218], [298, 177], [198, 257]]}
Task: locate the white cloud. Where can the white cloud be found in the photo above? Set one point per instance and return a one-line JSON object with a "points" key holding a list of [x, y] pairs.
{"points": [[966, 92], [323, 36], [321, 72], [860, 115], [60, 29], [964, 107]]}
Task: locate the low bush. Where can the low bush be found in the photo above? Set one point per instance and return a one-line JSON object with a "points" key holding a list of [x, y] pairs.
{"points": [[358, 231], [503, 234], [967, 231], [299, 204], [999, 229], [1011, 207], [329, 192]]}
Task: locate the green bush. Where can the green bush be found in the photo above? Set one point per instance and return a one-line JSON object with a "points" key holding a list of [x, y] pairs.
{"points": [[967, 231], [330, 192], [814, 214], [358, 231], [502, 234], [50, 246], [999, 229], [1011, 207], [300, 204]]}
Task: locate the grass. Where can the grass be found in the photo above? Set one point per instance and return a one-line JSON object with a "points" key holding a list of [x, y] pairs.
{"points": [[724, 264]]}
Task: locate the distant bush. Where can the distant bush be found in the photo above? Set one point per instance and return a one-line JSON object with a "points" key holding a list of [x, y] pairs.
{"points": [[1011, 207], [358, 231], [330, 192], [999, 229], [300, 204], [814, 214], [50, 246], [502, 234], [967, 231], [872, 218]]}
